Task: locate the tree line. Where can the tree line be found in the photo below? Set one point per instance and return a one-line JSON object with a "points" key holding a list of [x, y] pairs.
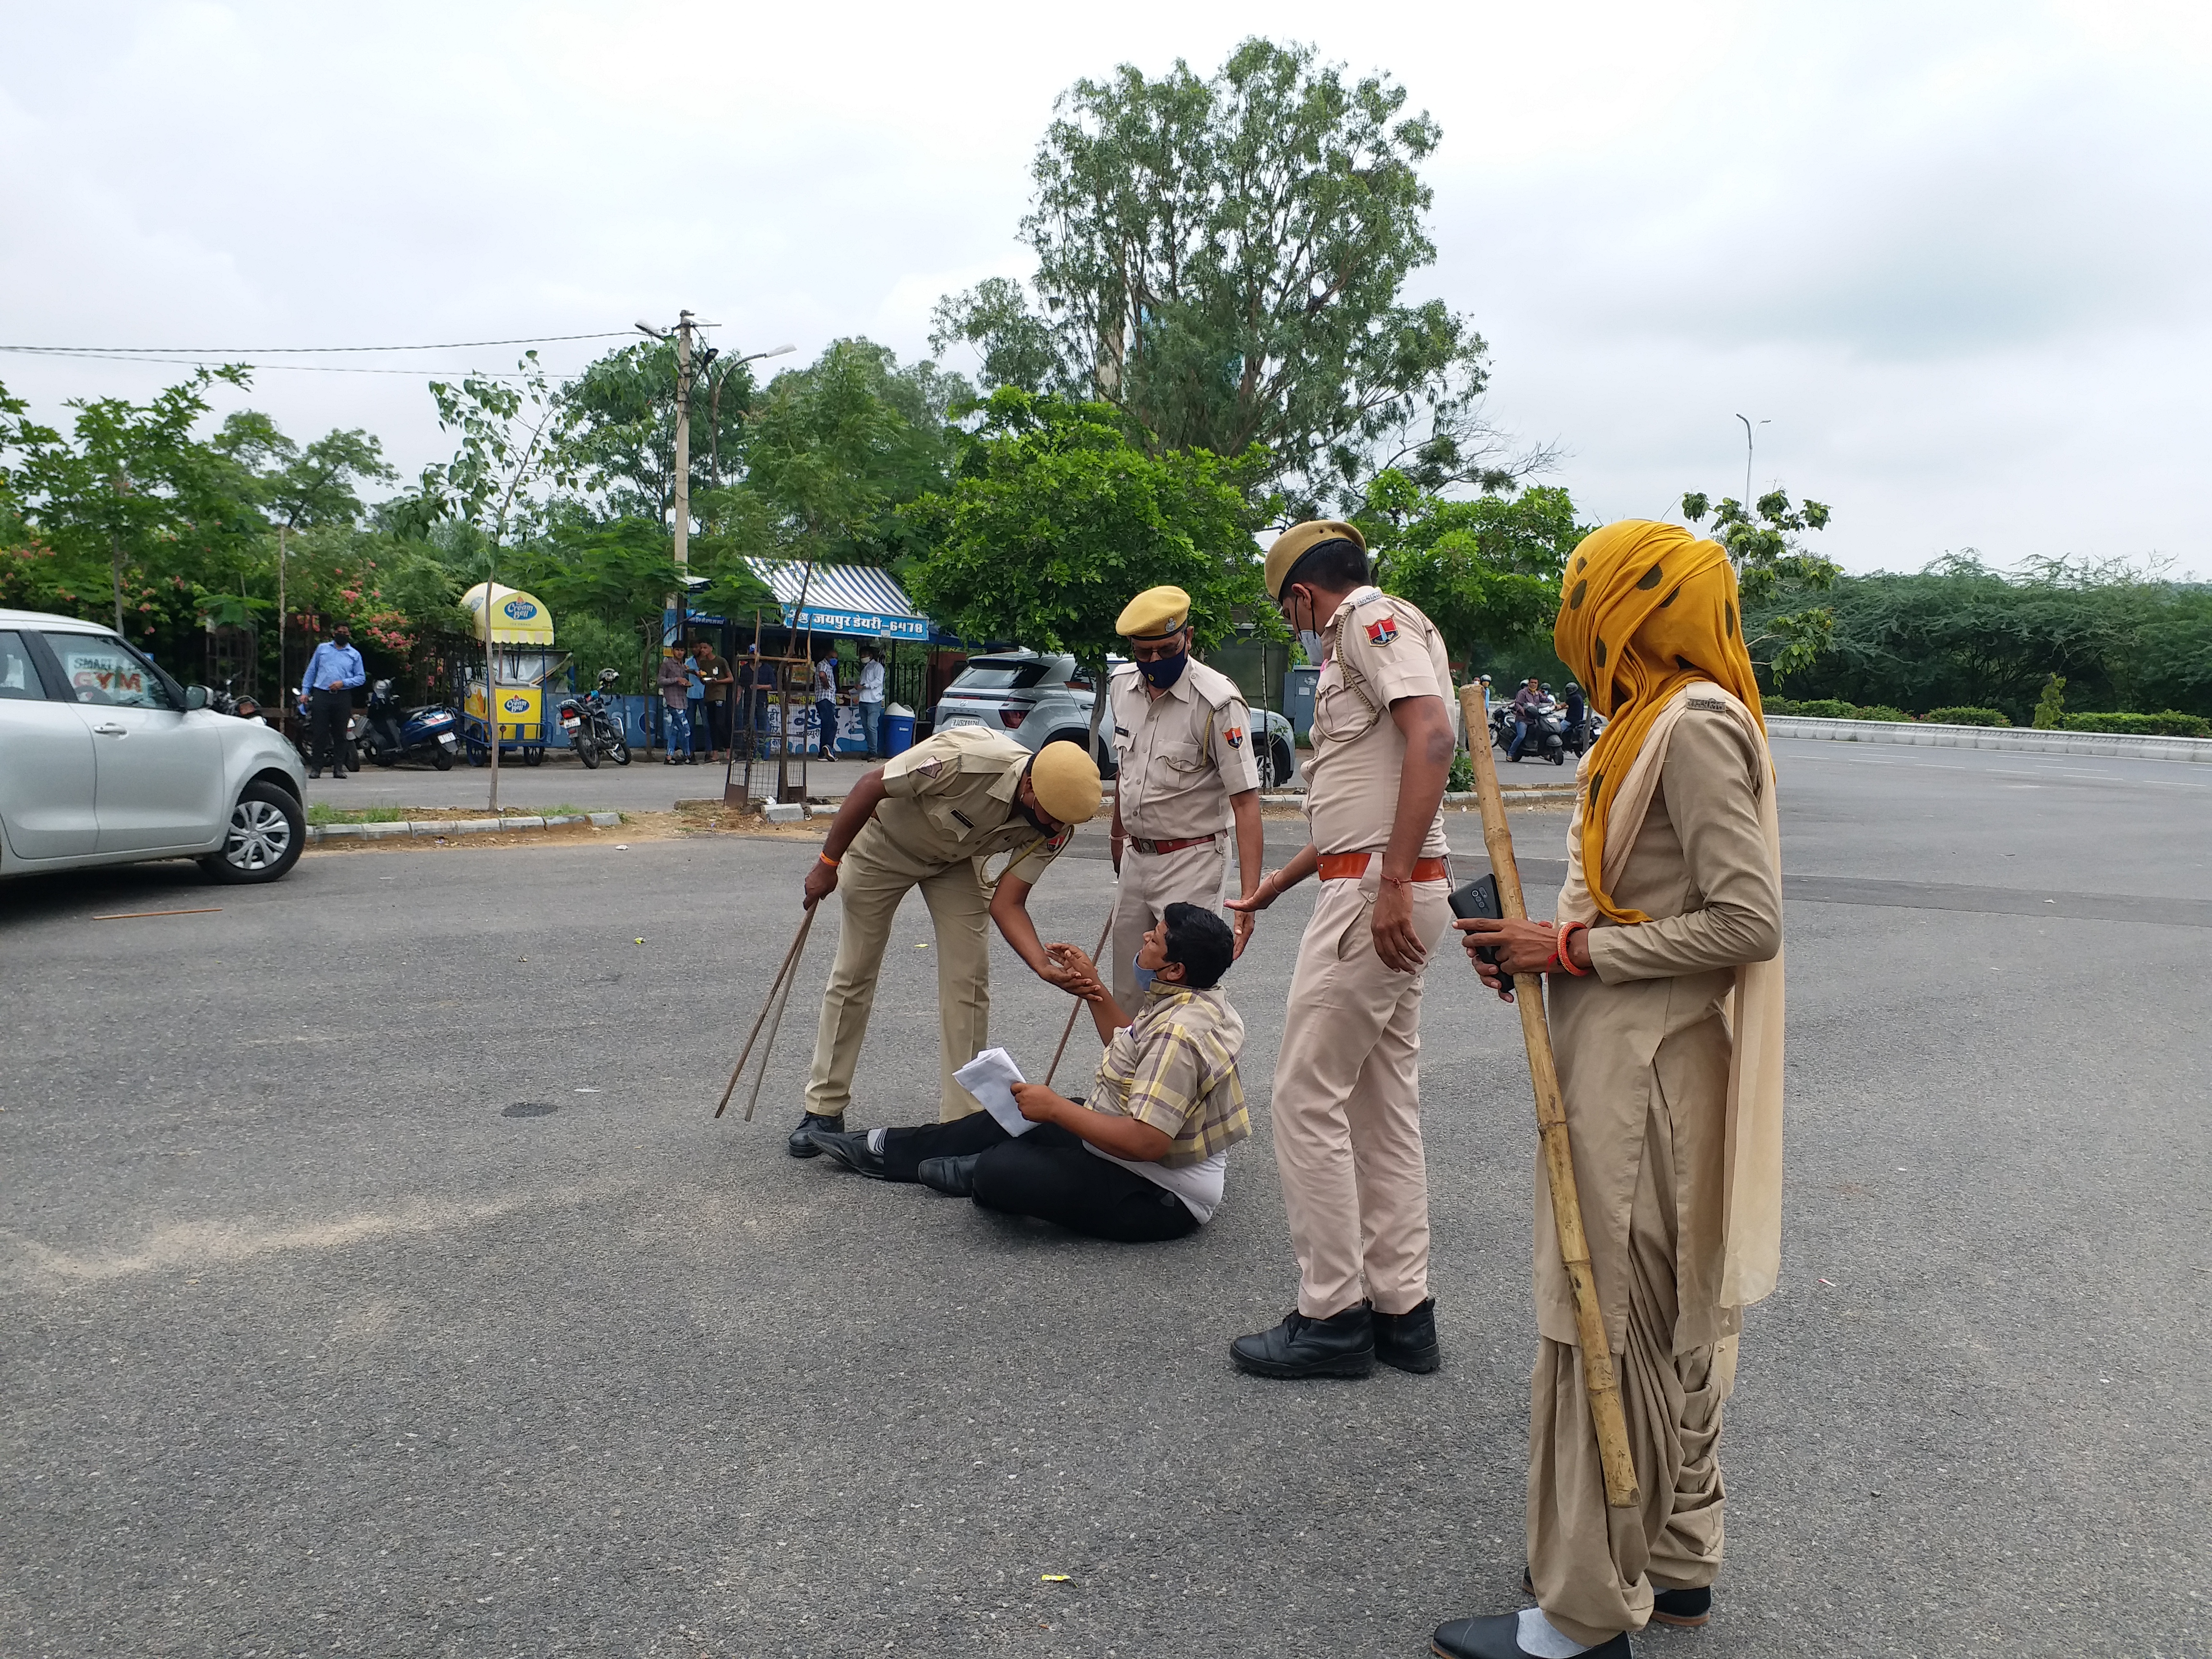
{"points": [[1215, 341]]}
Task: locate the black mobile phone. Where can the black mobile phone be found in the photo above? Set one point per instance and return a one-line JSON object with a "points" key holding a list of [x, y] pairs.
{"points": [[1479, 898]]}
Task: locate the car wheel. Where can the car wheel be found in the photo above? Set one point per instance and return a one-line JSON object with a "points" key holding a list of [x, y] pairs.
{"points": [[264, 839]]}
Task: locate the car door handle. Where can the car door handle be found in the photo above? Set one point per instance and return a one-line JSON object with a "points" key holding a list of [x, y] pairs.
{"points": [[112, 730]]}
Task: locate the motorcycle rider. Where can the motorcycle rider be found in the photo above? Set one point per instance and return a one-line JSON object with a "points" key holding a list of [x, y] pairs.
{"points": [[1526, 701], [1577, 739]]}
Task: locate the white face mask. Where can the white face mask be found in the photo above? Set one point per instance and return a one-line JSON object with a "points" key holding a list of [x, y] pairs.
{"points": [[1312, 643]]}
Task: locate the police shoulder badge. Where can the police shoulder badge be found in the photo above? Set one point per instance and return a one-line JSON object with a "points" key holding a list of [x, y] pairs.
{"points": [[1234, 737], [1382, 630]]}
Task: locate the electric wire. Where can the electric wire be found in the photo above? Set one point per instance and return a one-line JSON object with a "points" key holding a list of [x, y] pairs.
{"points": [[282, 351], [296, 368]]}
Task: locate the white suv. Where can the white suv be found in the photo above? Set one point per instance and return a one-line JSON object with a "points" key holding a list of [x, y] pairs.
{"points": [[105, 759]]}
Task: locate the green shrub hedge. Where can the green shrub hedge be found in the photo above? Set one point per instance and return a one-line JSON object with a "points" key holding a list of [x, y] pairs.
{"points": [[2167, 724], [1967, 716]]}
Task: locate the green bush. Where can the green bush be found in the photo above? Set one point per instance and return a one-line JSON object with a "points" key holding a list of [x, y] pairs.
{"points": [[1461, 778], [2050, 707], [1966, 716], [1819, 708], [2165, 724], [1883, 711]]}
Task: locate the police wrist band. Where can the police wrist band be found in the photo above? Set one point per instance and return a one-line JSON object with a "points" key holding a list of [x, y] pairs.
{"points": [[827, 860]]}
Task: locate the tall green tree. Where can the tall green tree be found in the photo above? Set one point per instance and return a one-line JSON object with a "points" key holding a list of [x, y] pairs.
{"points": [[1224, 260], [1485, 569], [620, 415], [1055, 517], [1762, 542]]}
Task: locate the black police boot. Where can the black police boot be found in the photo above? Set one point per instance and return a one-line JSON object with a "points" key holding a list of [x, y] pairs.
{"points": [[799, 1146], [953, 1176], [1408, 1341], [1342, 1344], [849, 1150], [1686, 1608], [1499, 1637]]}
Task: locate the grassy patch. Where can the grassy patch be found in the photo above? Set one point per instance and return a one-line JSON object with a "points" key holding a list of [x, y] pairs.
{"points": [[324, 813]]}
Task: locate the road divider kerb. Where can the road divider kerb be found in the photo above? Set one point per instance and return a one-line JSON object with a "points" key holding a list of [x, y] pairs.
{"points": [[432, 829]]}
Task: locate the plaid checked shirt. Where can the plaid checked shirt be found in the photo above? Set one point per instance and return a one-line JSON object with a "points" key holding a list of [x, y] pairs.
{"points": [[1175, 1068]]}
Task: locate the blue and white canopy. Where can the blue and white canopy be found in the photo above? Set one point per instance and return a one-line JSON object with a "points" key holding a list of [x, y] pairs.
{"points": [[842, 599]]}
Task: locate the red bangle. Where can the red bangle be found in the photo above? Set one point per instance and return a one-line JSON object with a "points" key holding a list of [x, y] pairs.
{"points": [[1567, 941]]}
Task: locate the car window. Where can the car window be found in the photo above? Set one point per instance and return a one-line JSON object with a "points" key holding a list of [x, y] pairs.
{"points": [[19, 677], [107, 672], [998, 677]]}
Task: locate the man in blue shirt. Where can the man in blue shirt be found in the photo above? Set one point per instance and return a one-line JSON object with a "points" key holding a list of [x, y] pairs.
{"points": [[332, 673]]}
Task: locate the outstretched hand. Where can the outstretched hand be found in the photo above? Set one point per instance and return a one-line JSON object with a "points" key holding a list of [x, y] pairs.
{"points": [[1074, 971]]}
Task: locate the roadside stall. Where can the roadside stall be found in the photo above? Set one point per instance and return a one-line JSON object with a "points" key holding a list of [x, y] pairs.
{"points": [[524, 662]]}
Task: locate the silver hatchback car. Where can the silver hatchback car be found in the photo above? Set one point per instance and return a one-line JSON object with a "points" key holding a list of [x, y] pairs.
{"points": [[105, 759], [1038, 699]]}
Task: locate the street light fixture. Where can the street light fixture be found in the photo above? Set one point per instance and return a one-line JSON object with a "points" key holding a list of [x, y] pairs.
{"points": [[1746, 457]]}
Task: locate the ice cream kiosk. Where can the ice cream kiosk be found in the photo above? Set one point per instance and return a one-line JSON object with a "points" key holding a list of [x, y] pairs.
{"points": [[523, 660]]}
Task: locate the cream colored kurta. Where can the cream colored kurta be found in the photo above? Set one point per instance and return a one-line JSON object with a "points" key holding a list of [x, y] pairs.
{"points": [[1651, 1017]]}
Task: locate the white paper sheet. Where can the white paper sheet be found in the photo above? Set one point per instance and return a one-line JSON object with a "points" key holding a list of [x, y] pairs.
{"points": [[987, 1077]]}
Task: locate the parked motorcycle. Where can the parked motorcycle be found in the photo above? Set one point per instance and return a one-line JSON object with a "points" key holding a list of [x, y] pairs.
{"points": [[594, 729], [392, 734]]}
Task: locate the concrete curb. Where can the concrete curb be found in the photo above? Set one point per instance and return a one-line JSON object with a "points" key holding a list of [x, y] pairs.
{"points": [[2019, 741], [432, 827]]}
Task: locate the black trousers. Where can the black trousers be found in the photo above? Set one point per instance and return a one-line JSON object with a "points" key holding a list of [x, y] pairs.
{"points": [[1047, 1173], [328, 713]]}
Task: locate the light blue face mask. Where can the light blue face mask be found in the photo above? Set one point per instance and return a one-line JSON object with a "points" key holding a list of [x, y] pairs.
{"points": [[1145, 975]]}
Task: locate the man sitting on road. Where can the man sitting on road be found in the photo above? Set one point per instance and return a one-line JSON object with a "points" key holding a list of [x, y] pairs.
{"points": [[1142, 1158]]}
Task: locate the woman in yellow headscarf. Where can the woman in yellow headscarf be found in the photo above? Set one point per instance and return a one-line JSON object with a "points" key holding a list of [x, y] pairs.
{"points": [[1666, 1015]]}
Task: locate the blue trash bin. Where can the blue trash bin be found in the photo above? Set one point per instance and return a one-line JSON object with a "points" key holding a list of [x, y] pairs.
{"points": [[898, 730]]}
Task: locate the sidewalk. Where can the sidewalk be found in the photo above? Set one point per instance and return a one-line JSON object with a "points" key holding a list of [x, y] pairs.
{"points": [[643, 786]]}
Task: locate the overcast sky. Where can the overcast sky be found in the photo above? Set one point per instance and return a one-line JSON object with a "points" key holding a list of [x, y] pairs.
{"points": [[1957, 254]]}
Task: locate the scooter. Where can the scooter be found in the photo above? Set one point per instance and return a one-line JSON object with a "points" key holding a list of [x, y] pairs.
{"points": [[1546, 738], [393, 734], [594, 731]]}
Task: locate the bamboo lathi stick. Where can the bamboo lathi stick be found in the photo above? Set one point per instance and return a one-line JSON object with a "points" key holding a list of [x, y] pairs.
{"points": [[1079, 1004], [779, 993], [1598, 1378]]}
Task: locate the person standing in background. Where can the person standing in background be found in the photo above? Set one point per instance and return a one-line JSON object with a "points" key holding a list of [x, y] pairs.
{"points": [[675, 683], [825, 700], [750, 709], [328, 685], [715, 673], [871, 699], [695, 705]]}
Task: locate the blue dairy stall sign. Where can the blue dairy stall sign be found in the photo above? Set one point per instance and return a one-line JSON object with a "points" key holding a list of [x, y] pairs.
{"points": [[867, 622]]}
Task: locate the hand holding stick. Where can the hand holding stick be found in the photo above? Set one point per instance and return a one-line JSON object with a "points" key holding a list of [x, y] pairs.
{"points": [[1067, 1029], [1598, 1378]]}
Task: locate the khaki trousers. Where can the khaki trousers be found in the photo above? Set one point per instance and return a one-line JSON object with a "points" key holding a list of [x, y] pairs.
{"points": [[1347, 1107], [1594, 1568], [874, 877], [1149, 883]]}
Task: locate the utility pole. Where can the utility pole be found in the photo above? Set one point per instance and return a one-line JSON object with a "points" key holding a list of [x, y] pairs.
{"points": [[682, 466]]}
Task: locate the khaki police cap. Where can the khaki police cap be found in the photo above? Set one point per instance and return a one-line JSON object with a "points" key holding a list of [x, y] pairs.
{"points": [[1066, 782], [1300, 539], [1154, 614]]}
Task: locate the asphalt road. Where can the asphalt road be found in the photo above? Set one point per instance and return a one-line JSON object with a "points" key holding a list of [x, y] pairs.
{"points": [[312, 1348]]}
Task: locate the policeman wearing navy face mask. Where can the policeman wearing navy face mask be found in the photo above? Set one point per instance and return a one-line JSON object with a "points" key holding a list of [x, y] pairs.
{"points": [[1184, 740]]}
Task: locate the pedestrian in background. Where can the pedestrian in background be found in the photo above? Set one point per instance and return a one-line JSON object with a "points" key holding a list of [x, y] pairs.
{"points": [[676, 722], [714, 674], [328, 685], [751, 704], [871, 699], [695, 705], [826, 702]]}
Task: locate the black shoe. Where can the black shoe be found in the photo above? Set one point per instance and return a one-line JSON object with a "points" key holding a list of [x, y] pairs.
{"points": [[336, 775], [849, 1150], [953, 1176], [314, 771], [1408, 1341], [1686, 1608], [1498, 1637], [799, 1146], [1342, 1344]]}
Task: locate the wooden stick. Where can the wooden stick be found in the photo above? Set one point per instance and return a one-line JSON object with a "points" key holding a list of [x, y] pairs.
{"points": [[790, 978], [1598, 1379], [782, 975], [1080, 1005], [140, 916]]}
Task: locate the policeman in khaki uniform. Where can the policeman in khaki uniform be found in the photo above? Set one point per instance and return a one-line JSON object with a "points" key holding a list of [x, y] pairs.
{"points": [[929, 818], [1185, 742], [1347, 1080]]}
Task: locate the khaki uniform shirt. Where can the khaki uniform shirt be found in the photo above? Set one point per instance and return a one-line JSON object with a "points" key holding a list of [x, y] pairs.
{"points": [[1644, 1032], [1182, 753], [952, 797], [1175, 1067], [1381, 649]]}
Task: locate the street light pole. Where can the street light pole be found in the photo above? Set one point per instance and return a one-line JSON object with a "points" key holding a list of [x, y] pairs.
{"points": [[1746, 460]]}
